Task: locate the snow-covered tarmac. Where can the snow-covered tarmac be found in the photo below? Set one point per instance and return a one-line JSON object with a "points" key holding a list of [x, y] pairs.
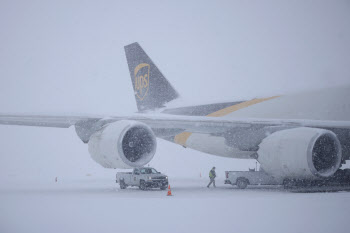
{"points": [[98, 205], [86, 198]]}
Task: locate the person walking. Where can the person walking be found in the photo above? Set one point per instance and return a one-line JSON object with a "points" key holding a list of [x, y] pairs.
{"points": [[212, 176]]}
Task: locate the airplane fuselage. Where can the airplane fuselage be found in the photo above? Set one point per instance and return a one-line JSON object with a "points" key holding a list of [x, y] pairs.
{"points": [[324, 105]]}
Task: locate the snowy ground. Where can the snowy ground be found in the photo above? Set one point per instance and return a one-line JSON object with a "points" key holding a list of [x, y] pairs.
{"points": [[98, 205], [87, 199]]}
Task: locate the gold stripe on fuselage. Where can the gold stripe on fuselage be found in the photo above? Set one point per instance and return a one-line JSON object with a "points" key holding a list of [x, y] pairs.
{"points": [[181, 138]]}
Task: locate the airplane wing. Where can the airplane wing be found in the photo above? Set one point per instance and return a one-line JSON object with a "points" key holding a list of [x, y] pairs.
{"points": [[195, 124], [42, 120], [216, 124]]}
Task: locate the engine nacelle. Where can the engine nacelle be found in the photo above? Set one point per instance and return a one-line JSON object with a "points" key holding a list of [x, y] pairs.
{"points": [[300, 153], [123, 144]]}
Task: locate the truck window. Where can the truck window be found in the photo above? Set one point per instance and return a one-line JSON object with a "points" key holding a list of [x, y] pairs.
{"points": [[154, 171], [148, 171]]}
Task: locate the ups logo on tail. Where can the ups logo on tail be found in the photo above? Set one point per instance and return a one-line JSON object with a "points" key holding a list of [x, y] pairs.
{"points": [[141, 74]]}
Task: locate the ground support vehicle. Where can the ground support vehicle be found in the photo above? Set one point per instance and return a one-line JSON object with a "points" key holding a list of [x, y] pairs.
{"points": [[144, 178], [244, 178], [339, 181]]}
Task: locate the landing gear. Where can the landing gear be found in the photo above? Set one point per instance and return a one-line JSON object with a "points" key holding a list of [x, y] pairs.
{"points": [[339, 181], [288, 183]]}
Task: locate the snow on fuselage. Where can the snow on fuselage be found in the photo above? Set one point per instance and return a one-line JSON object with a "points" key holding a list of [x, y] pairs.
{"points": [[328, 104]]}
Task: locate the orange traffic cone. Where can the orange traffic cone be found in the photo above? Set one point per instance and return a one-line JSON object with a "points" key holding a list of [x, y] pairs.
{"points": [[169, 191]]}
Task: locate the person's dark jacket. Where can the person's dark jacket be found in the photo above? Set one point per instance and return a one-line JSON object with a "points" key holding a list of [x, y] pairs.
{"points": [[213, 174]]}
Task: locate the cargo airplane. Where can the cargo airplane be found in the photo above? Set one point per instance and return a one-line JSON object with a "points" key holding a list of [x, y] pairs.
{"points": [[299, 136]]}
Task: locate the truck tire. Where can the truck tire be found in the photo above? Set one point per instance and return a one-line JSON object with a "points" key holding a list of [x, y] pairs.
{"points": [[122, 184], [163, 187], [242, 183], [142, 185]]}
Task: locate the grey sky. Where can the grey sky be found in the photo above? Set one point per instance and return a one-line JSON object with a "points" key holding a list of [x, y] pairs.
{"points": [[67, 56]]}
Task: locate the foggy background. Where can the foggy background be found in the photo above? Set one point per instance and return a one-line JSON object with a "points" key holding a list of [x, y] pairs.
{"points": [[67, 57]]}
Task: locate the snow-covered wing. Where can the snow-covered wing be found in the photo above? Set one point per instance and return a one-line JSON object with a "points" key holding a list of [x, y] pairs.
{"points": [[162, 121], [219, 124], [42, 120]]}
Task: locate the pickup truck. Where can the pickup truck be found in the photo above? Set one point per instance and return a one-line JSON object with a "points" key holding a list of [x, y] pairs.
{"points": [[144, 177], [244, 178]]}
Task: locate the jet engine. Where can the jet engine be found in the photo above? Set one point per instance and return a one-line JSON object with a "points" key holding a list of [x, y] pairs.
{"points": [[123, 144], [300, 153]]}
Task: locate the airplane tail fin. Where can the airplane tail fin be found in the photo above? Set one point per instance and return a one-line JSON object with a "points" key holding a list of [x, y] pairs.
{"points": [[152, 90]]}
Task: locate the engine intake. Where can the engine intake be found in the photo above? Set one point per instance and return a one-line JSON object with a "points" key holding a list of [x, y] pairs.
{"points": [[123, 144], [301, 153], [326, 155]]}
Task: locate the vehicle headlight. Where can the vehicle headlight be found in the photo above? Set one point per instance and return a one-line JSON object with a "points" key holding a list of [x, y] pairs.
{"points": [[166, 177], [150, 178]]}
